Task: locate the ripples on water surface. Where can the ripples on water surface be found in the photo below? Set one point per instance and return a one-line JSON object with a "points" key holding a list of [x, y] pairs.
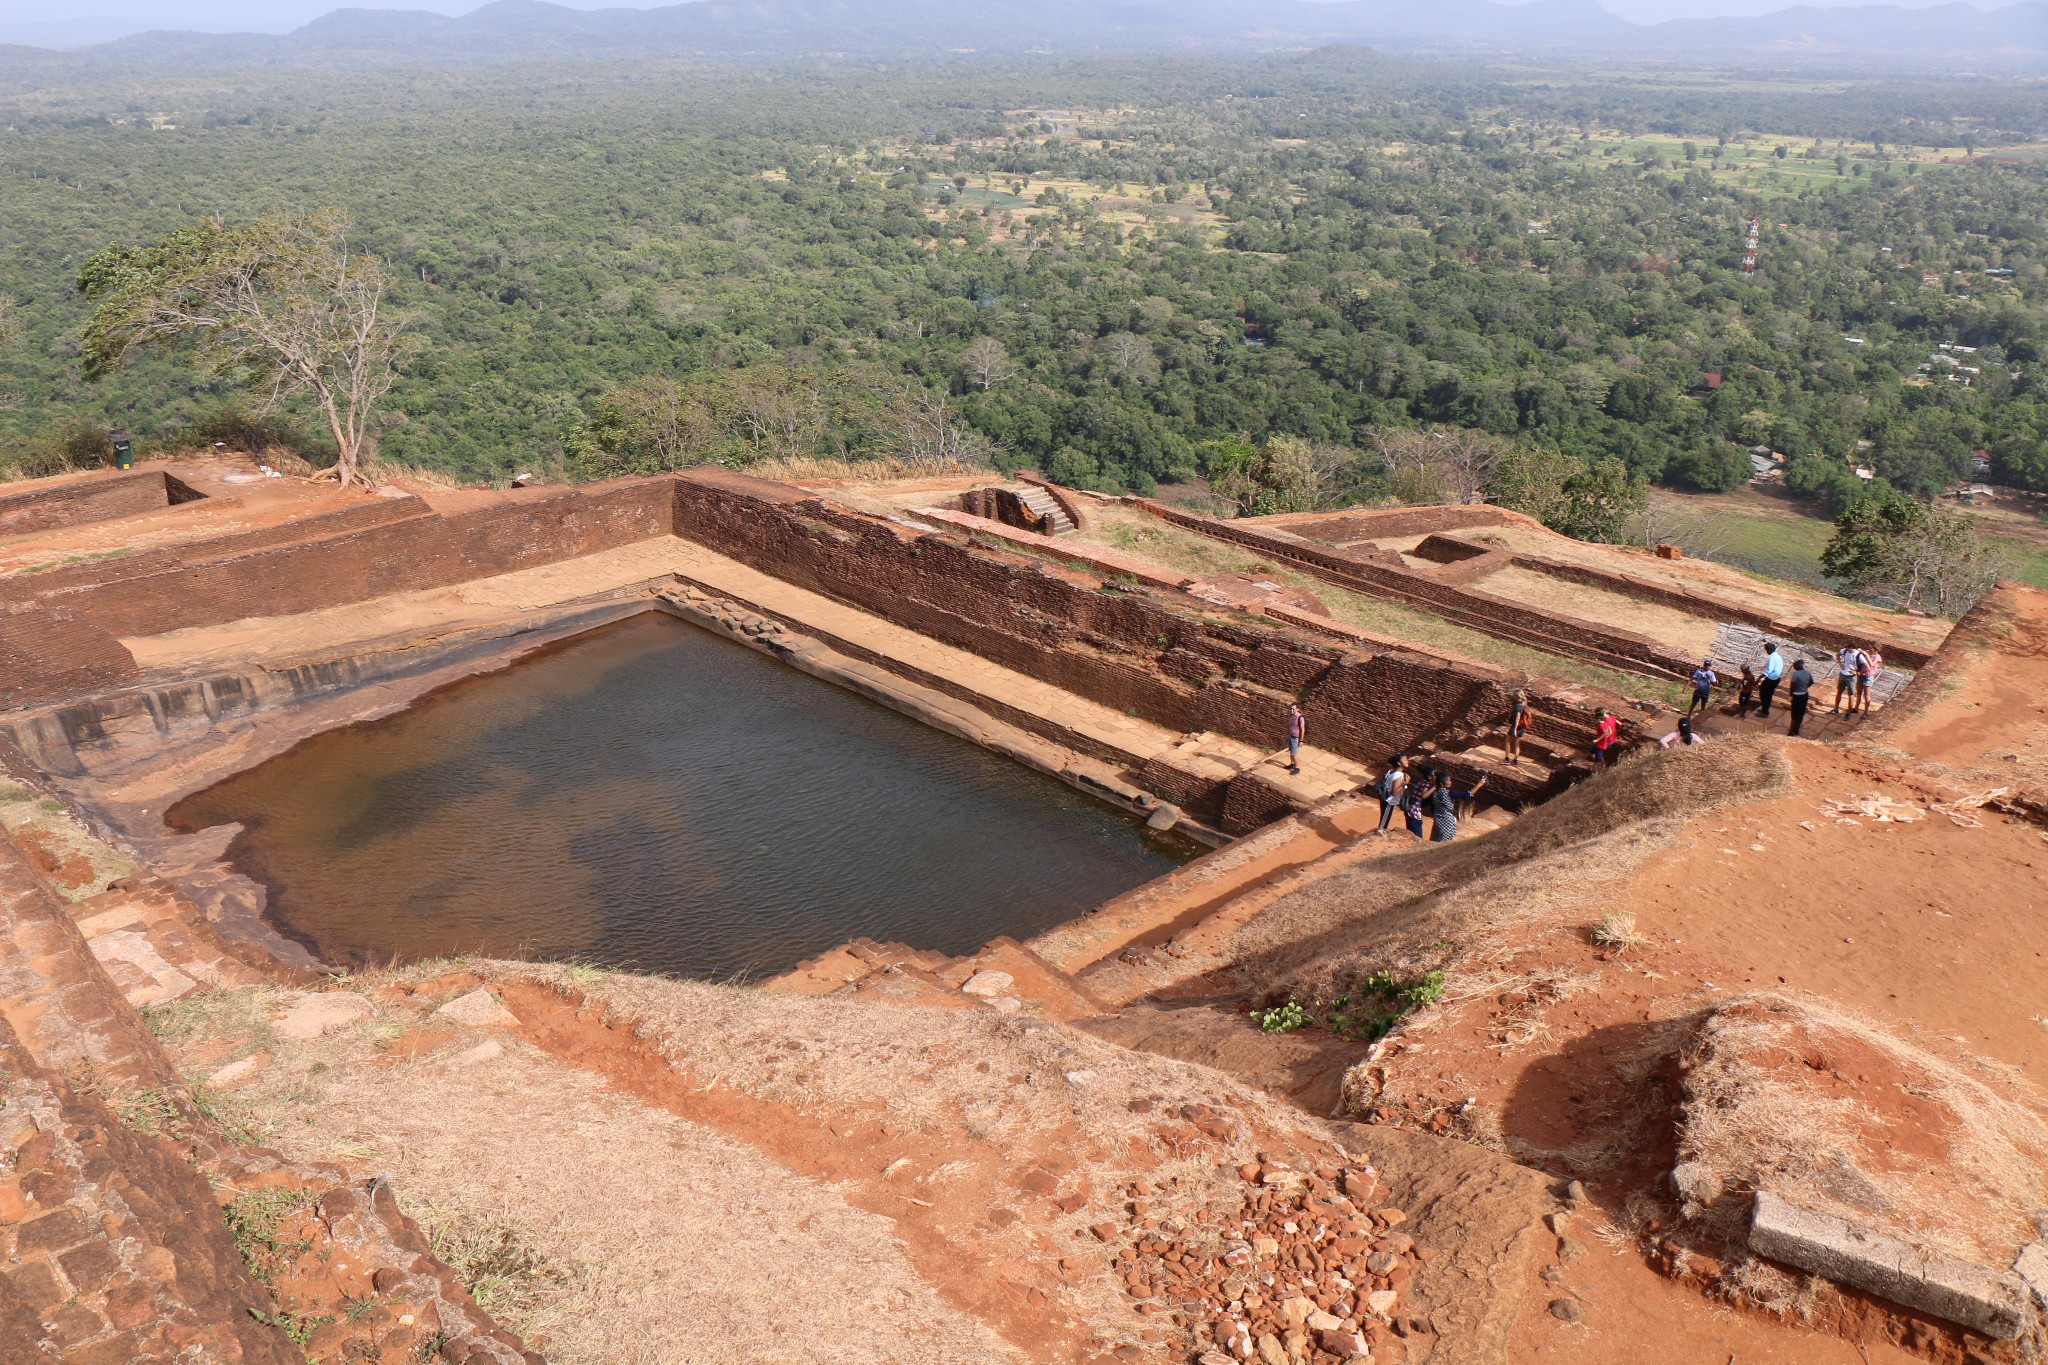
{"points": [[654, 797]]}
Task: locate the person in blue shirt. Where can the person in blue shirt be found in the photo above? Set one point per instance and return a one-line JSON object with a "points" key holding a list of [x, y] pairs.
{"points": [[1703, 680], [1774, 670]]}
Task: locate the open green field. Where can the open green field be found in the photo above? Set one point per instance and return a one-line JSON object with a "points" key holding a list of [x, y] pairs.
{"points": [[1753, 163], [1774, 534]]}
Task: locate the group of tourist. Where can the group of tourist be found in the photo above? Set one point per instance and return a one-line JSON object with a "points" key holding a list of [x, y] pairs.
{"points": [[1856, 672], [1429, 793], [1432, 795]]}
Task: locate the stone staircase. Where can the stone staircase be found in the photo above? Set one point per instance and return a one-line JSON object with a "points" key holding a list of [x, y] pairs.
{"points": [[1004, 976], [1052, 518]]}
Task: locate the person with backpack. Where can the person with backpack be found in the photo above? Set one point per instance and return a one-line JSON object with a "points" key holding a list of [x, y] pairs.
{"points": [[1774, 670], [1393, 786], [1846, 664], [1519, 716]]}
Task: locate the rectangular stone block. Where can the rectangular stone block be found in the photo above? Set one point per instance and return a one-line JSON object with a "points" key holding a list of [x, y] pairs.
{"points": [[1990, 1302]]}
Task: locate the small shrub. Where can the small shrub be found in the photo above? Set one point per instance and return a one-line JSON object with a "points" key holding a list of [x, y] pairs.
{"points": [[1617, 931], [1283, 1018], [1381, 1001]]}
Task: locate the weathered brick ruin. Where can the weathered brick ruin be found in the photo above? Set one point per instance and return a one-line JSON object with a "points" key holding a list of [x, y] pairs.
{"points": [[133, 675]]}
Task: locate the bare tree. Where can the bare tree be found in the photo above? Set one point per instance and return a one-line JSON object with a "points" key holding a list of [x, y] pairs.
{"points": [[1437, 464], [918, 429], [1127, 359], [282, 303], [986, 363]]}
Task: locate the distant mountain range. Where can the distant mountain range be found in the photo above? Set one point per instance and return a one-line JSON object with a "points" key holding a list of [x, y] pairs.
{"points": [[1953, 36]]}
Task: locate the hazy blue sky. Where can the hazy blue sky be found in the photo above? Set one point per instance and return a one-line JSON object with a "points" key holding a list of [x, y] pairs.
{"points": [[72, 21]]}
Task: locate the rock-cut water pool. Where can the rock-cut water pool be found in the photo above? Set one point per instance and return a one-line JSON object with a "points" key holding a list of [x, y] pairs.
{"points": [[650, 796]]}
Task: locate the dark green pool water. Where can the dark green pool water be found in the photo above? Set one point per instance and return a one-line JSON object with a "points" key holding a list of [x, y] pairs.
{"points": [[651, 796]]}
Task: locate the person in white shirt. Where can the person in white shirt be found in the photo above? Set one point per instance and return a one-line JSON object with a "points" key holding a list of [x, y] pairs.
{"points": [[1682, 736], [1774, 669], [1846, 665]]}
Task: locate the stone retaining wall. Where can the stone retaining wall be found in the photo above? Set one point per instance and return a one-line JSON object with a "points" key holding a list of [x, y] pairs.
{"points": [[113, 1247], [1119, 648], [47, 653], [75, 502], [338, 563], [1707, 608], [1496, 616]]}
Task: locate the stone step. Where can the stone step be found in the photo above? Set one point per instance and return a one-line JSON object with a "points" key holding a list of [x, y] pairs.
{"points": [[1006, 969], [1055, 520]]}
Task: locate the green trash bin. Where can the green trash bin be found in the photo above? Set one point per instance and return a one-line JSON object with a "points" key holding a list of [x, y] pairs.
{"points": [[124, 450]]}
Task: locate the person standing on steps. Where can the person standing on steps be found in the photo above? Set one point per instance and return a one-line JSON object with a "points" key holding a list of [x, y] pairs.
{"points": [[1774, 670], [1393, 786], [1703, 680], [1443, 806], [1802, 684], [1605, 735], [1518, 725], [1417, 801], [1866, 678], [1846, 664], [1297, 731]]}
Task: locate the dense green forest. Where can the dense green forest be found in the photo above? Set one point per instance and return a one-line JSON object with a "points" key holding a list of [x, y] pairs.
{"points": [[1120, 272]]}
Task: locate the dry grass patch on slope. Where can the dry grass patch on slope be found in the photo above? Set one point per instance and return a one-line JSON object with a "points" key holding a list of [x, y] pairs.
{"points": [[1460, 908], [606, 1230], [641, 1170], [1839, 1115]]}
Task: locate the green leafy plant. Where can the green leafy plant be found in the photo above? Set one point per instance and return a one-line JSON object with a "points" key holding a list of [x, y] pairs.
{"points": [[1284, 1018], [297, 1327], [1381, 1001]]}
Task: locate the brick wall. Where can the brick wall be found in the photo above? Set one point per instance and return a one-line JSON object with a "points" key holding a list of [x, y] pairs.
{"points": [[112, 1246], [355, 516], [1118, 648], [351, 565], [49, 653], [1495, 616], [94, 497], [1400, 521]]}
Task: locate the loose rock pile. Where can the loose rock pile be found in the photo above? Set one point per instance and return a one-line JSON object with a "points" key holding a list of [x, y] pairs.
{"points": [[1311, 1269]]}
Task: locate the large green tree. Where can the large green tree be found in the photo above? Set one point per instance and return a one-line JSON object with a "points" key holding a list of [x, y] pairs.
{"points": [[1893, 547]]}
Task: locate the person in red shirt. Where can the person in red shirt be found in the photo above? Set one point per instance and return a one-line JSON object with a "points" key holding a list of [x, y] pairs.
{"points": [[1605, 736]]}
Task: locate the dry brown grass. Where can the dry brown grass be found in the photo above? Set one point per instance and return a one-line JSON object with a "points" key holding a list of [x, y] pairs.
{"points": [[1773, 1101], [1464, 908], [603, 1229], [1617, 932], [612, 1230], [863, 471]]}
